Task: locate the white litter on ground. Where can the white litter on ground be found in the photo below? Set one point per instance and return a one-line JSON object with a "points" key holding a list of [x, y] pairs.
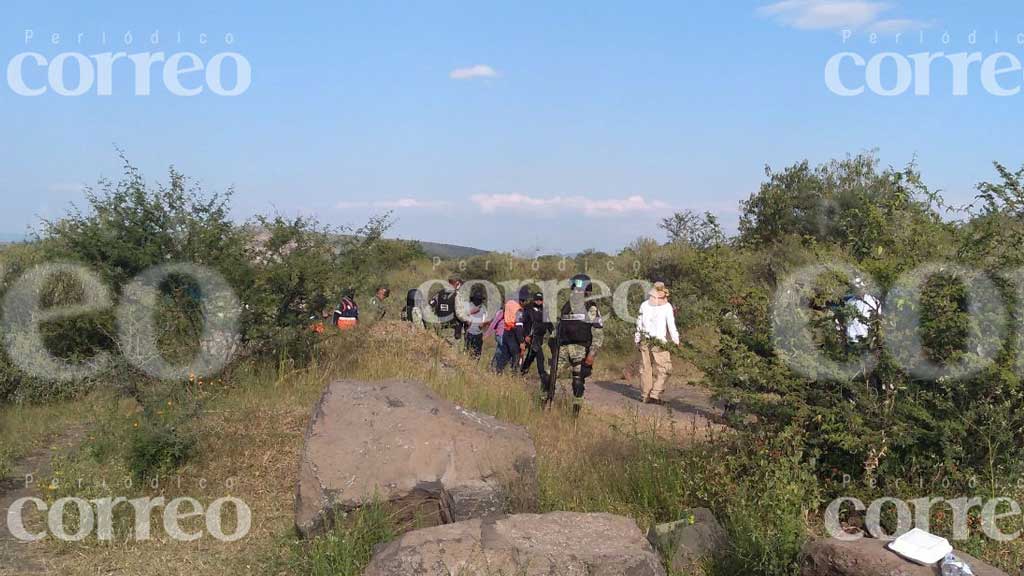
{"points": [[921, 547]]}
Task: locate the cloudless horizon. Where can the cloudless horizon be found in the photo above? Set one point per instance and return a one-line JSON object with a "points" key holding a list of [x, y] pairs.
{"points": [[513, 126]]}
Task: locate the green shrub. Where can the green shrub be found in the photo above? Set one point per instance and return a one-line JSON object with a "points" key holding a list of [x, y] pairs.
{"points": [[162, 437], [348, 548], [156, 448], [766, 516]]}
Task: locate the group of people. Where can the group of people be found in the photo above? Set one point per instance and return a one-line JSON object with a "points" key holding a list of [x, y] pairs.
{"points": [[522, 331], [346, 314]]}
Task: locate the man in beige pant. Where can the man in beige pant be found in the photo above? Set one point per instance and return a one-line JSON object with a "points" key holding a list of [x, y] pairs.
{"points": [[655, 325]]}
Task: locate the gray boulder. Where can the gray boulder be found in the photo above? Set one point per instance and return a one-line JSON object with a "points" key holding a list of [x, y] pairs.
{"points": [[690, 542], [398, 442], [555, 544], [870, 557]]}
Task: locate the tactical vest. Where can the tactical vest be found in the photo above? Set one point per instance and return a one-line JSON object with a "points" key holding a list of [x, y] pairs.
{"points": [[444, 306], [574, 325]]}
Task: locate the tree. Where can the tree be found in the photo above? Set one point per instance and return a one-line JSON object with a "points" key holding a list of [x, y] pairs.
{"points": [[870, 212], [692, 229]]}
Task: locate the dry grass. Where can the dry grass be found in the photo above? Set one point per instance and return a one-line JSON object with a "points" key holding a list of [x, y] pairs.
{"points": [[25, 428], [251, 433]]}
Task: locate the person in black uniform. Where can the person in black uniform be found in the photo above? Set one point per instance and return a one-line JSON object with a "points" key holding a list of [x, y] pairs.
{"points": [[537, 328]]}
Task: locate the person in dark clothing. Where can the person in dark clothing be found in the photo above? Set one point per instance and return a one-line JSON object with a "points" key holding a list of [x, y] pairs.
{"points": [[537, 328], [513, 341], [413, 310], [447, 324]]}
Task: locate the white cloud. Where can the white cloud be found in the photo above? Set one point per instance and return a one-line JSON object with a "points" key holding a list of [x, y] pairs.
{"points": [[397, 203], [477, 71], [490, 203], [836, 14]]}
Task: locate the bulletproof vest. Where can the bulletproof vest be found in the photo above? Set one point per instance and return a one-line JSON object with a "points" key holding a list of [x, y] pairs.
{"points": [[574, 325], [444, 306]]}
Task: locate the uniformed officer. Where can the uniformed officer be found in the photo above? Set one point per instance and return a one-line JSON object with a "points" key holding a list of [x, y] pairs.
{"points": [[578, 337]]}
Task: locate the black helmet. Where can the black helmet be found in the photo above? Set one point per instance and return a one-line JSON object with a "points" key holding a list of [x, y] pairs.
{"points": [[581, 283]]}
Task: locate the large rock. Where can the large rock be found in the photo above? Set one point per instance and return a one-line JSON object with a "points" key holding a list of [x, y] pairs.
{"points": [[870, 557], [555, 544], [690, 542], [398, 442]]}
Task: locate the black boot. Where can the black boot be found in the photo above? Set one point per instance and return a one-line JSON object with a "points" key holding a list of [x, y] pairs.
{"points": [[578, 388], [547, 393]]}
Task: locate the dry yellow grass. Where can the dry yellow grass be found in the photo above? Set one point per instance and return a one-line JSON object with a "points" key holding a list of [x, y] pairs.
{"points": [[251, 433]]}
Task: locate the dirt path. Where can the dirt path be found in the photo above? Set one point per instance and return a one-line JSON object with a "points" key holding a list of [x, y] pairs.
{"points": [[28, 474], [688, 413]]}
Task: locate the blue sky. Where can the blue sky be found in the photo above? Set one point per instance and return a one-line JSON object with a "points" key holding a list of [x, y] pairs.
{"points": [[525, 125]]}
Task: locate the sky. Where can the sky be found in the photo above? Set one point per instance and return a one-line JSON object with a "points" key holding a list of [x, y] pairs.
{"points": [[526, 126]]}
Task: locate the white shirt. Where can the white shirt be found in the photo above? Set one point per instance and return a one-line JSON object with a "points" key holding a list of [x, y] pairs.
{"points": [[656, 321], [866, 306], [477, 317]]}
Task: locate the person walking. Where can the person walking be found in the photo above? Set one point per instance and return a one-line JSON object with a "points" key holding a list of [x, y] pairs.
{"points": [[497, 327], [537, 328], [475, 330], [655, 326], [579, 336], [447, 324], [513, 340]]}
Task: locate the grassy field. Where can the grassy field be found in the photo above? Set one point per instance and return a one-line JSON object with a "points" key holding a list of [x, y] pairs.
{"points": [[249, 434]]}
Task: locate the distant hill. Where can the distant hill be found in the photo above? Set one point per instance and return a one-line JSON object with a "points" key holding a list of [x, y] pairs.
{"points": [[450, 251], [432, 249]]}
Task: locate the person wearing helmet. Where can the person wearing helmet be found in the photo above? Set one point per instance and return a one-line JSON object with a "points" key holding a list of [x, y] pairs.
{"points": [[578, 337]]}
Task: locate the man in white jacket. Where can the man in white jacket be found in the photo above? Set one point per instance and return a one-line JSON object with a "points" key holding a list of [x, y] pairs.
{"points": [[655, 325]]}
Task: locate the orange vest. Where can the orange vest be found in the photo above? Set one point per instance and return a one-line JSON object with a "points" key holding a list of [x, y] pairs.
{"points": [[512, 308]]}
